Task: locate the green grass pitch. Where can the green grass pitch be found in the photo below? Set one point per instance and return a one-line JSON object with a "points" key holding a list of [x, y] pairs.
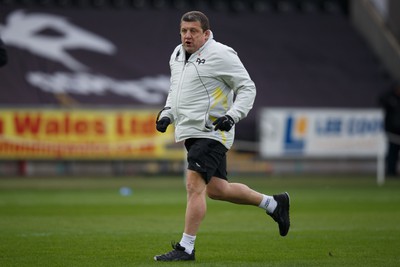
{"points": [[78, 221]]}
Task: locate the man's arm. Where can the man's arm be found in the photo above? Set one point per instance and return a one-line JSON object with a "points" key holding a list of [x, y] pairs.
{"points": [[237, 77]]}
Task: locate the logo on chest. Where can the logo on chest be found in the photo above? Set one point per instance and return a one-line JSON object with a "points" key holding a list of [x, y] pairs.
{"points": [[200, 61]]}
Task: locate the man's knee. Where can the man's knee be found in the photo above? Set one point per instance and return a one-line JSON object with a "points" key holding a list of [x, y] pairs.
{"points": [[194, 183]]}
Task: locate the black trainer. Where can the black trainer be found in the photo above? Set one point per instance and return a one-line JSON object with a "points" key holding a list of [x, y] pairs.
{"points": [[281, 213], [178, 254]]}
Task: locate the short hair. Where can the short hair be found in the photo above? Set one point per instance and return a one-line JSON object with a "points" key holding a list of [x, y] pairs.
{"points": [[192, 16]]}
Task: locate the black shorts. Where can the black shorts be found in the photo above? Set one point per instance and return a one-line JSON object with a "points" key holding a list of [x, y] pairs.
{"points": [[207, 157]]}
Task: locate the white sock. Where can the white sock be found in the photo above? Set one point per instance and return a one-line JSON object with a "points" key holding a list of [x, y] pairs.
{"points": [[268, 203], [187, 242]]}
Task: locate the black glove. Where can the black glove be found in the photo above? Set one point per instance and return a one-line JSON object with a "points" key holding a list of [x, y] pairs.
{"points": [[162, 124], [224, 123]]}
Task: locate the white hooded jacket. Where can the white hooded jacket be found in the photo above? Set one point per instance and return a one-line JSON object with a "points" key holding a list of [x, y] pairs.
{"points": [[202, 90]]}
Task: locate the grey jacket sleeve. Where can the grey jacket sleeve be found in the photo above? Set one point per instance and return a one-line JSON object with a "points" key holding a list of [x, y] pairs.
{"points": [[237, 78], [167, 110]]}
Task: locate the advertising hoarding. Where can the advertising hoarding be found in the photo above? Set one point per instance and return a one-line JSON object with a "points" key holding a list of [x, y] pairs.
{"points": [[286, 132], [84, 134]]}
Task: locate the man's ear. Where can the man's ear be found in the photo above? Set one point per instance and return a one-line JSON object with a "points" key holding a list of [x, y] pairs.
{"points": [[207, 33]]}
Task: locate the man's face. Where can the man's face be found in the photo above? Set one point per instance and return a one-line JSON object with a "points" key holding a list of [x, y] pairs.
{"points": [[192, 36]]}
